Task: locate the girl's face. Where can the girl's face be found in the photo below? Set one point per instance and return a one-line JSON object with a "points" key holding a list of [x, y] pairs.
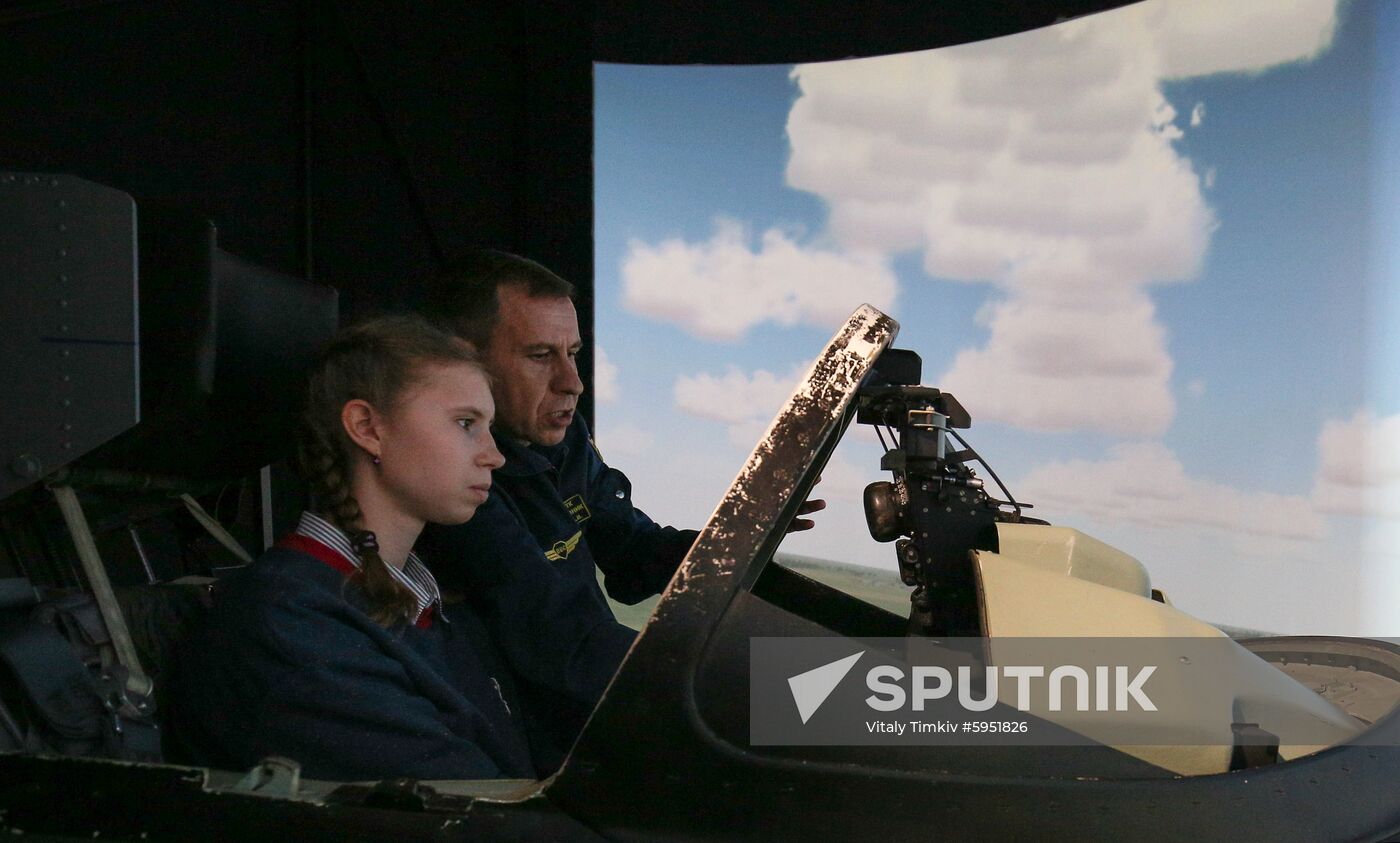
{"points": [[437, 452]]}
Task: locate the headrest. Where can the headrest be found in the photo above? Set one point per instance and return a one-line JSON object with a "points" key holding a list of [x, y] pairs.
{"points": [[131, 341]]}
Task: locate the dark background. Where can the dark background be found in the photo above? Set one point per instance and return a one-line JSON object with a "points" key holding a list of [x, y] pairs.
{"points": [[361, 144]]}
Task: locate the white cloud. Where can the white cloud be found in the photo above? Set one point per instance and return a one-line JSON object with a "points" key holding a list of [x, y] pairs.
{"points": [[1196, 388], [604, 376], [1198, 113], [1048, 366], [1144, 483], [1200, 37], [734, 397], [1359, 466], [721, 288], [745, 402], [623, 439], [1043, 163]]}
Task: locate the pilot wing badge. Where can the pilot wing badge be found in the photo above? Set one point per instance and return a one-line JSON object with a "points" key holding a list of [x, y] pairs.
{"points": [[561, 549]]}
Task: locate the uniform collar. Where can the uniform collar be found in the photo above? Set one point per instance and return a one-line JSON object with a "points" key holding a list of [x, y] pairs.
{"points": [[524, 459], [340, 554]]}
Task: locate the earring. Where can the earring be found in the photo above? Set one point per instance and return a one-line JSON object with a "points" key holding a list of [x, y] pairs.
{"points": [[376, 460]]}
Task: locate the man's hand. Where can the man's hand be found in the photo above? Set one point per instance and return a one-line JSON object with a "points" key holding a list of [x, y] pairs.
{"points": [[807, 507]]}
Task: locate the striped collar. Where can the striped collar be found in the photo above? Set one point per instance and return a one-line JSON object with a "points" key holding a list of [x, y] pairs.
{"points": [[414, 576]]}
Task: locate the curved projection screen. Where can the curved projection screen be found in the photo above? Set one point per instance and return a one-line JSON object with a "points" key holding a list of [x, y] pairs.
{"points": [[1152, 251]]}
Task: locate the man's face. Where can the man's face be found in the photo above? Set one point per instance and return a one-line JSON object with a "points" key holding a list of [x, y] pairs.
{"points": [[532, 357]]}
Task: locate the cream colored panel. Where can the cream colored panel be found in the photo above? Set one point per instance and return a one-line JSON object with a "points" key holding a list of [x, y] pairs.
{"points": [[1067, 551], [1191, 732]]}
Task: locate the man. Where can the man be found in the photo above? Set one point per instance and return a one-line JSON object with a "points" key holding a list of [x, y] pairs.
{"points": [[520, 318]]}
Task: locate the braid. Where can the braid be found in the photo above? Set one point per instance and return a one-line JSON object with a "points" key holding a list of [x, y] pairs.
{"points": [[326, 471], [374, 362]]}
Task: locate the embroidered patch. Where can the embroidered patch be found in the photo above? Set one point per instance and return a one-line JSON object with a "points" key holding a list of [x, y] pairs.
{"points": [[577, 508], [562, 549]]}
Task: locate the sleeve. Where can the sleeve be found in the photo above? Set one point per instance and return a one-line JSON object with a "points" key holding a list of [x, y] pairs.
{"points": [[312, 687], [553, 629], [637, 556]]}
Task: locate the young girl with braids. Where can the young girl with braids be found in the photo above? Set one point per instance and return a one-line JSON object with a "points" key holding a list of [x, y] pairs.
{"points": [[334, 648]]}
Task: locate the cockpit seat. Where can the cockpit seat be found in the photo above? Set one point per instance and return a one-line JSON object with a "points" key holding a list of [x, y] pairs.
{"points": [[151, 368]]}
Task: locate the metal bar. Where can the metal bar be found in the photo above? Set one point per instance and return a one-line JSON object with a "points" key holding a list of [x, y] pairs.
{"points": [[130, 481], [215, 529], [137, 681], [265, 496], [141, 553]]}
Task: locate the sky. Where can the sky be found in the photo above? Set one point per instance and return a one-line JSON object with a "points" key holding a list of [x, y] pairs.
{"points": [[1152, 252]]}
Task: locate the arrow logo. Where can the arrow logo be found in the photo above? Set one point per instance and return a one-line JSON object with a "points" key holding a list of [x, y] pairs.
{"points": [[810, 689]]}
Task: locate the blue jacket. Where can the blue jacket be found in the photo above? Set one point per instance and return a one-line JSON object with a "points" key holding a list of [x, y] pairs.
{"points": [[563, 507], [289, 663], [579, 512]]}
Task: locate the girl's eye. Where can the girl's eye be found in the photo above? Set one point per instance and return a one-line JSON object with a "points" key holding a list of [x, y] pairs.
{"points": [[465, 424]]}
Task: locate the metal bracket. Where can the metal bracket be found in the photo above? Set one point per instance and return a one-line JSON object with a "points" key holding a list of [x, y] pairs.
{"points": [[274, 776]]}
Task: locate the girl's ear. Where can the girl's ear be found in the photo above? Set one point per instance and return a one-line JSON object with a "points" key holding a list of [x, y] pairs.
{"points": [[363, 425]]}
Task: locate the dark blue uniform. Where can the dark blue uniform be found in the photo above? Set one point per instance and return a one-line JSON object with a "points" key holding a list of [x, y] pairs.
{"points": [[579, 513], [289, 663]]}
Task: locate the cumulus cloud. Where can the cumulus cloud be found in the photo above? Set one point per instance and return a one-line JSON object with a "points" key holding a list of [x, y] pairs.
{"points": [[721, 288], [1359, 466], [1044, 164], [1052, 366], [745, 402], [736, 397], [1201, 37], [604, 376], [1144, 483]]}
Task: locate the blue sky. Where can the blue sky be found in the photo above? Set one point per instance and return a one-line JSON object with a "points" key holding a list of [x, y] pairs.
{"points": [[1271, 190]]}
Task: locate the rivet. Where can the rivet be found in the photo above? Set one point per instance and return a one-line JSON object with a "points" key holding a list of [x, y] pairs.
{"points": [[63, 253], [619, 495], [63, 302], [67, 446], [63, 329], [67, 426], [62, 227], [62, 278], [67, 402], [67, 378], [67, 353], [63, 203], [53, 182]]}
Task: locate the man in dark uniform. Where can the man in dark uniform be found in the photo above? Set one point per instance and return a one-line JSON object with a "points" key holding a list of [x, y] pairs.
{"points": [[520, 317]]}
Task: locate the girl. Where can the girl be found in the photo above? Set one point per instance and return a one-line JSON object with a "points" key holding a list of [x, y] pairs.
{"points": [[333, 648]]}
